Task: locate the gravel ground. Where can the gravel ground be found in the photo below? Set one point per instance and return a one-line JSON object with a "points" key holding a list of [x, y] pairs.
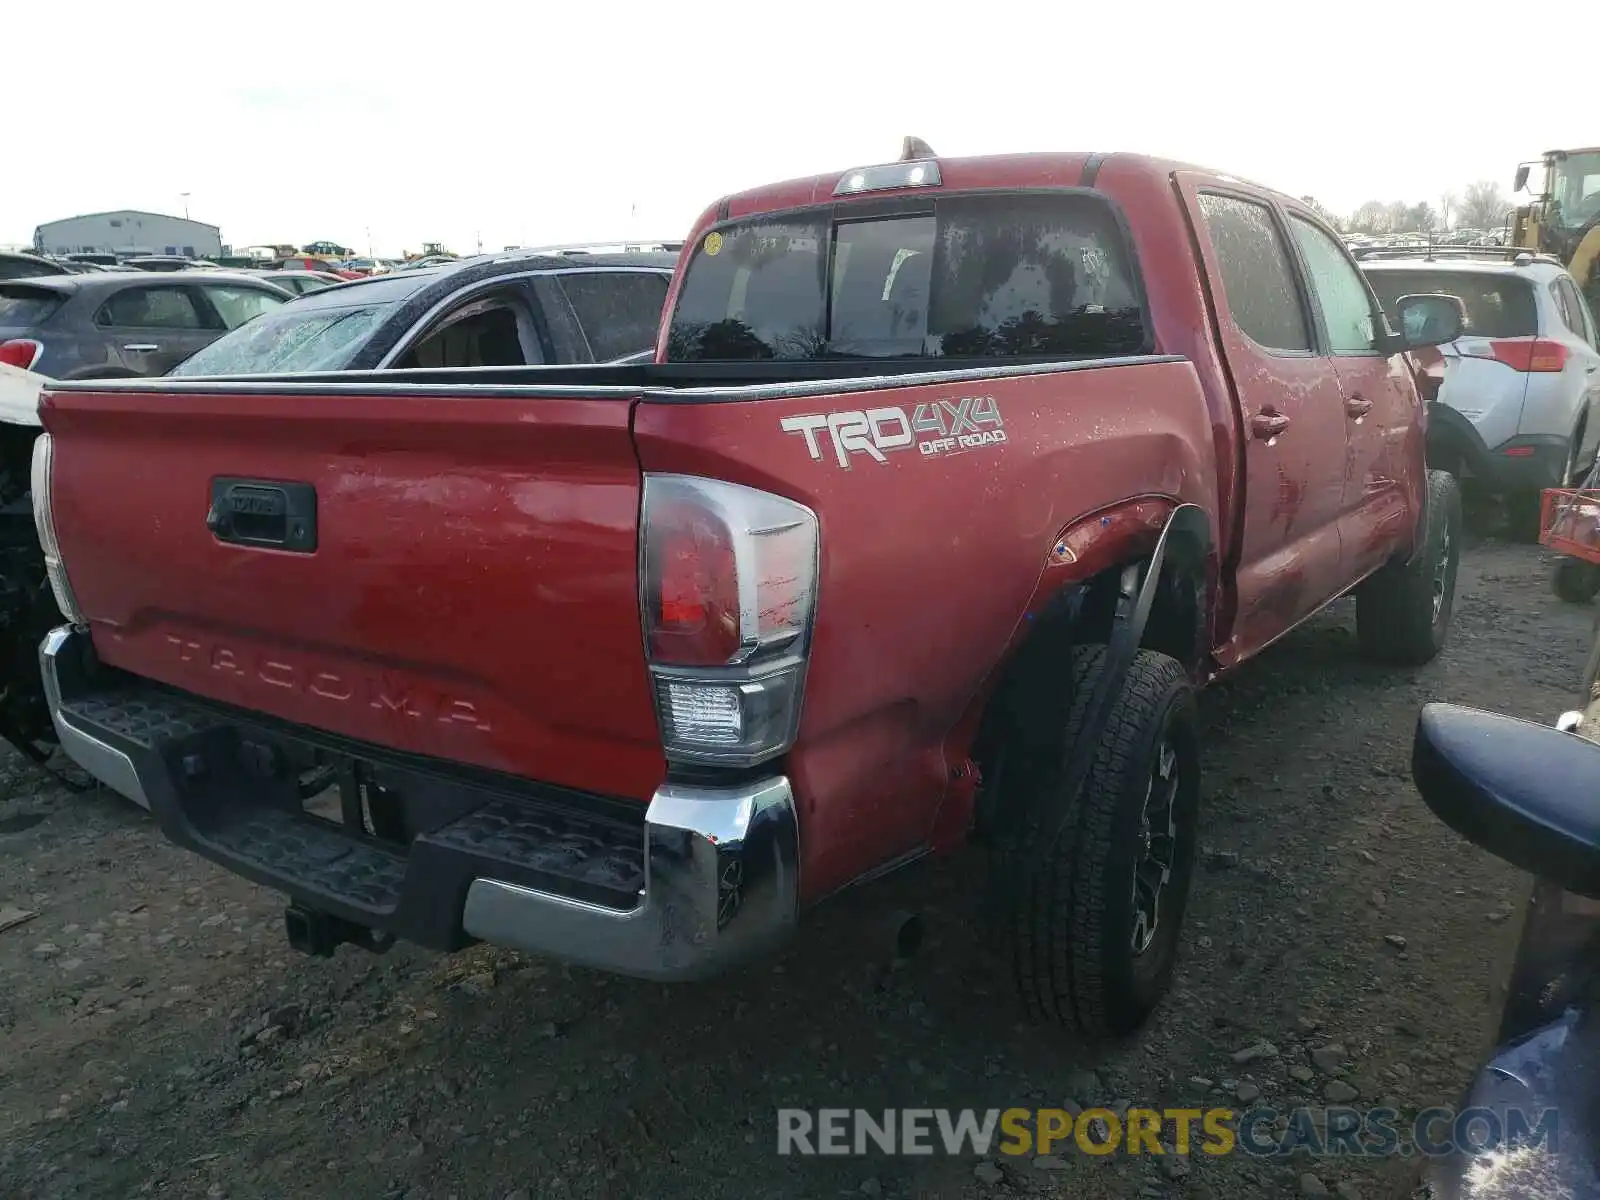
{"points": [[159, 1037]]}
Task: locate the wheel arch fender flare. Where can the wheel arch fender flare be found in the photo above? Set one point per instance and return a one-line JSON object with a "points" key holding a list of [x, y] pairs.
{"points": [[1185, 542]]}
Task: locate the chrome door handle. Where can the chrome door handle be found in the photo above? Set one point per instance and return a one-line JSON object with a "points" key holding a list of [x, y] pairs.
{"points": [[142, 347]]}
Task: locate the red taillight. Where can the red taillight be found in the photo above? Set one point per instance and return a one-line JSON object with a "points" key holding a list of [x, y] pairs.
{"points": [[728, 579], [1523, 354], [696, 592], [21, 352]]}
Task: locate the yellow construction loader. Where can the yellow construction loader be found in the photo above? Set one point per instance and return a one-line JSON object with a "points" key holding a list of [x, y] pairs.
{"points": [[1564, 218]]}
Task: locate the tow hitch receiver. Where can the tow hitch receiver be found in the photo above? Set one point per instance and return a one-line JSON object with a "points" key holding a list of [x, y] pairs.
{"points": [[319, 934]]}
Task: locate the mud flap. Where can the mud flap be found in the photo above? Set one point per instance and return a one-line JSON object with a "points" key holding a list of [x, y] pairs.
{"points": [[1185, 540]]}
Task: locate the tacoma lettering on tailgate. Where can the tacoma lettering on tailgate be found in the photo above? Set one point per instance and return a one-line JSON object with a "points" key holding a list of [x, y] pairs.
{"points": [[964, 424], [257, 669]]}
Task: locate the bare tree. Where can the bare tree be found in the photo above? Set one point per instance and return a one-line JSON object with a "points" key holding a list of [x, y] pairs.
{"points": [[1371, 217], [1483, 206], [1447, 209], [1421, 218]]}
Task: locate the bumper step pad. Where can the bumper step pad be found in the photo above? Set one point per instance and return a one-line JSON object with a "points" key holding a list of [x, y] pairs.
{"points": [[322, 857], [706, 876], [209, 800]]}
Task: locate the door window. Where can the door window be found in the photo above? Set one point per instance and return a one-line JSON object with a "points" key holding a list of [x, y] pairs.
{"points": [[619, 311], [236, 305], [1340, 294], [151, 308], [1257, 276]]}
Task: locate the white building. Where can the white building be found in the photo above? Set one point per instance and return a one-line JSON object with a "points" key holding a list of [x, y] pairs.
{"points": [[128, 232]]}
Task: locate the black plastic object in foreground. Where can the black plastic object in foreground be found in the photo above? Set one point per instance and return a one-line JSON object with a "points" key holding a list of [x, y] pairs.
{"points": [[1527, 793]]}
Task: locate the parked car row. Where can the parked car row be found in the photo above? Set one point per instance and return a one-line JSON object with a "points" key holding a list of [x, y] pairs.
{"points": [[124, 323], [499, 310]]}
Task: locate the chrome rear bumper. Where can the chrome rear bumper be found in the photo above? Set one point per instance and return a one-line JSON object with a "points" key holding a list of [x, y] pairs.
{"points": [[714, 881]]}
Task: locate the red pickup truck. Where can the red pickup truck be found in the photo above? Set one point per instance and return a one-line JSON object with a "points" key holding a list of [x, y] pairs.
{"points": [[951, 481]]}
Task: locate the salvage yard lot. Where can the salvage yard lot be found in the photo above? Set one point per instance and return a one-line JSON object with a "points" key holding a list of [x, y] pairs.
{"points": [[160, 1038]]}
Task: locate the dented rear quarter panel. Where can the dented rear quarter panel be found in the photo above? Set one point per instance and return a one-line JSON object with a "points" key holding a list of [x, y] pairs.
{"points": [[930, 558]]}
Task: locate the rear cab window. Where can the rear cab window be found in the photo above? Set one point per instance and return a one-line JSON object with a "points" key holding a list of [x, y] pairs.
{"points": [[979, 276], [1498, 305]]}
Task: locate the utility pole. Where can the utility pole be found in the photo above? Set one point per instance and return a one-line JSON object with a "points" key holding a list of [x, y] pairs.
{"points": [[185, 196]]}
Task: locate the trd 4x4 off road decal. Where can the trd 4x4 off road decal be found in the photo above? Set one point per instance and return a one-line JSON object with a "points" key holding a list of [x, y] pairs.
{"points": [[964, 424]]}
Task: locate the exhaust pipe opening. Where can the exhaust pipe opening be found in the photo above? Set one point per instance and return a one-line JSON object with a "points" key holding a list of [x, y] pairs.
{"points": [[905, 933]]}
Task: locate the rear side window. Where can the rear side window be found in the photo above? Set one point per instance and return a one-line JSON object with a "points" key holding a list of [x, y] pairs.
{"points": [[982, 276], [619, 311], [25, 306], [1497, 305], [1573, 310], [1341, 295], [236, 305], [1257, 277], [289, 339], [151, 308]]}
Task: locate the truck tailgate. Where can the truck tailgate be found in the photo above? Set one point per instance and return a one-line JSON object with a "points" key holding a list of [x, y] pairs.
{"points": [[472, 593]]}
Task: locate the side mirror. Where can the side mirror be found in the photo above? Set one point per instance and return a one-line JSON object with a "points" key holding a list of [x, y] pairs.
{"points": [[1521, 179], [1527, 793], [1429, 320]]}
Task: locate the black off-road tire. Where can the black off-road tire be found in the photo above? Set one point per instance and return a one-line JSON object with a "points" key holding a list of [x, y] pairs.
{"points": [[1575, 581], [1073, 915], [1397, 619]]}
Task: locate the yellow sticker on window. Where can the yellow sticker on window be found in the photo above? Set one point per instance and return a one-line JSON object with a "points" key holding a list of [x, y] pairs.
{"points": [[713, 243]]}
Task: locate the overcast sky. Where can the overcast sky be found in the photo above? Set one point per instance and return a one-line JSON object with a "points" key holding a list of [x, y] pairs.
{"points": [[544, 122]]}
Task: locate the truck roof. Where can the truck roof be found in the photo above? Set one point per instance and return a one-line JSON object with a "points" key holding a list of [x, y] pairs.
{"points": [[988, 171]]}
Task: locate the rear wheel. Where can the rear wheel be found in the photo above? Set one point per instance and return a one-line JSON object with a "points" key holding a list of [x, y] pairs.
{"points": [[1097, 921], [1403, 612], [1576, 581]]}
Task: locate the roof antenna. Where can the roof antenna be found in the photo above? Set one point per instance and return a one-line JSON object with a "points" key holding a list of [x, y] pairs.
{"points": [[915, 147]]}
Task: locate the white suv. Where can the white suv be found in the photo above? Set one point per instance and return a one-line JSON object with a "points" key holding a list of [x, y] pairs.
{"points": [[1519, 406]]}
